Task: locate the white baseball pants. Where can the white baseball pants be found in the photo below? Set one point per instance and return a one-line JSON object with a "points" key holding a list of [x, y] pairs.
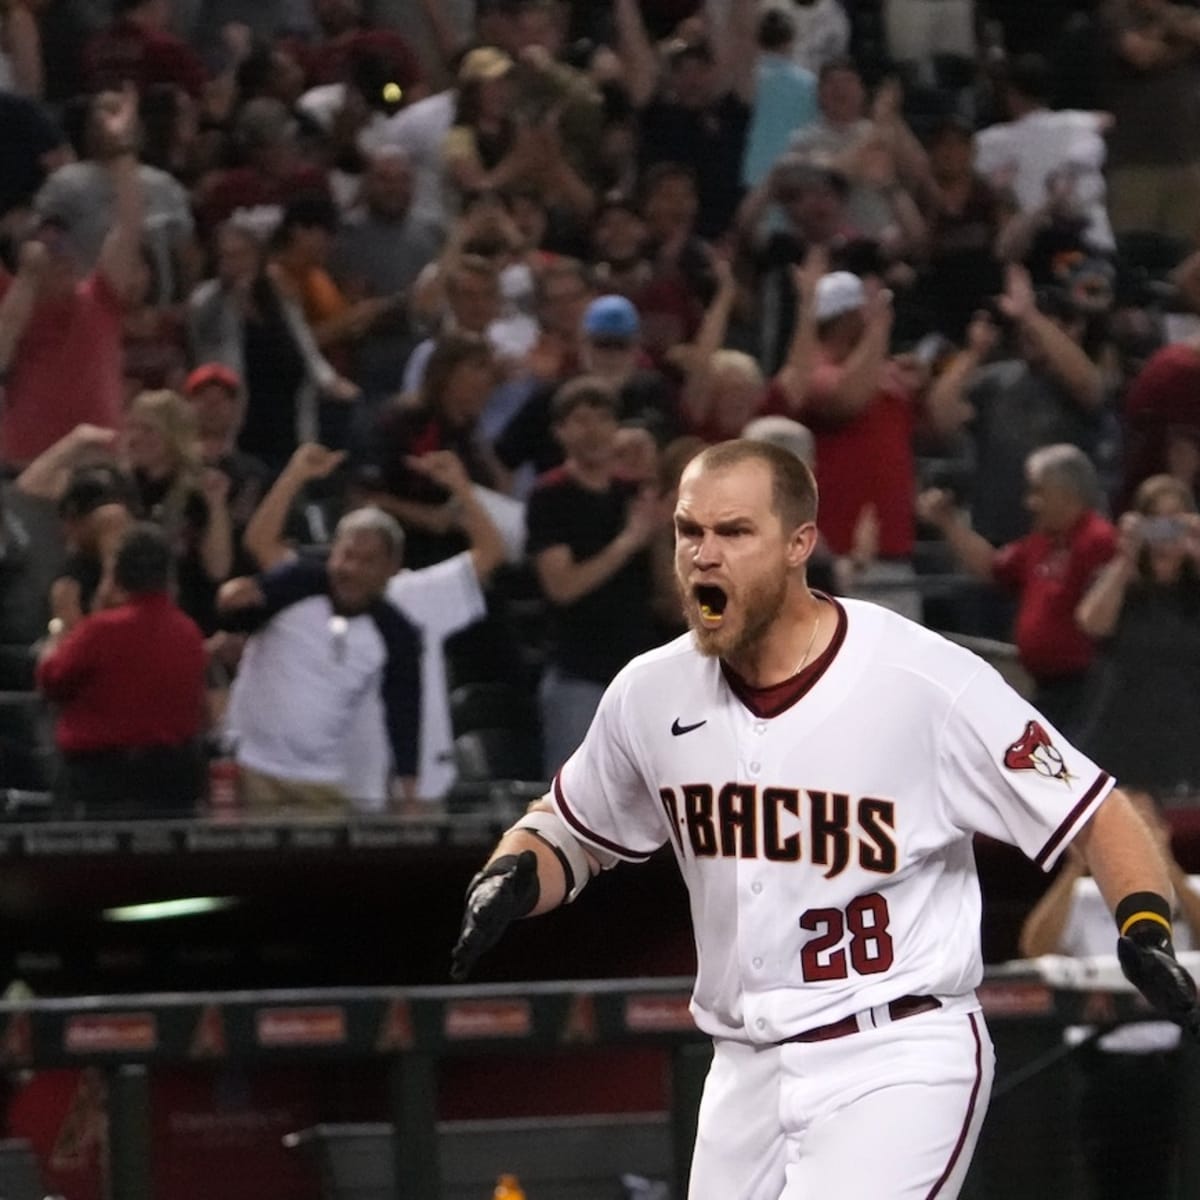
{"points": [[889, 1113]]}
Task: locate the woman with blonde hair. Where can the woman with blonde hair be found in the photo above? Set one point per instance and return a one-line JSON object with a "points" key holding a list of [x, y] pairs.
{"points": [[1145, 608], [176, 491]]}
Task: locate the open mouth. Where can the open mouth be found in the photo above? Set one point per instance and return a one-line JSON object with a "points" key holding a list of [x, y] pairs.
{"points": [[712, 601]]}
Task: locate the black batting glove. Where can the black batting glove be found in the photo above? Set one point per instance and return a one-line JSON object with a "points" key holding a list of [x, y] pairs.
{"points": [[501, 893], [1148, 961]]}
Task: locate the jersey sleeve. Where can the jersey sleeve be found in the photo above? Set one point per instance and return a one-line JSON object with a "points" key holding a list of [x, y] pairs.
{"points": [[601, 793], [442, 599], [281, 587], [401, 687], [1005, 771]]}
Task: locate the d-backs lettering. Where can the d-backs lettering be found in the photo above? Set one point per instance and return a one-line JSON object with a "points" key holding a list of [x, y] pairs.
{"points": [[739, 821]]}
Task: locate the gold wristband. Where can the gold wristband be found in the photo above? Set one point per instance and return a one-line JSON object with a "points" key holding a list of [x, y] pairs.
{"points": [[1146, 916]]}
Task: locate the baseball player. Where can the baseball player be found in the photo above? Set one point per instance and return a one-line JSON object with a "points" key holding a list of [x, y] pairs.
{"points": [[818, 768]]}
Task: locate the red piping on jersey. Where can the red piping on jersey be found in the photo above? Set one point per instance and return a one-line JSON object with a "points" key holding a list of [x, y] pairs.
{"points": [[584, 832], [966, 1125], [1073, 816], [767, 702]]}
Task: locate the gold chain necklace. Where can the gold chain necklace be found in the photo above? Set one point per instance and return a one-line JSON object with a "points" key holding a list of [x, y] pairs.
{"points": [[811, 642]]}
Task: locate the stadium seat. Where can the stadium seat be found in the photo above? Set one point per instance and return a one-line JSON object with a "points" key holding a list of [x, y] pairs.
{"points": [[492, 706], [487, 754]]}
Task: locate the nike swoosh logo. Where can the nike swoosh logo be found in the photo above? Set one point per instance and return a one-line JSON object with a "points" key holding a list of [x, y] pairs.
{"points": [[678, 729]]}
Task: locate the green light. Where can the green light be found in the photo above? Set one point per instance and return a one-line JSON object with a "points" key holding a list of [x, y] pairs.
{"points": [[165, 910]]}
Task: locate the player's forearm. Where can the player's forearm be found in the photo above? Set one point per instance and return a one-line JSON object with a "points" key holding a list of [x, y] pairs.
{"points": [[1121, 852], [552, 882]]}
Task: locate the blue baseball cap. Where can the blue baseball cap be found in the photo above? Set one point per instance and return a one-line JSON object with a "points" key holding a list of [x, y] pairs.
{"points": [[612, 317]]}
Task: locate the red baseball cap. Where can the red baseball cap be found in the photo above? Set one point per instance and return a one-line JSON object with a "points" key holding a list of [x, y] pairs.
{"points": [[212, 372]]}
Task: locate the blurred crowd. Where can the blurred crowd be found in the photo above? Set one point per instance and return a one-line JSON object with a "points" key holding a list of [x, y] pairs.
{"points": [[352, 350]]}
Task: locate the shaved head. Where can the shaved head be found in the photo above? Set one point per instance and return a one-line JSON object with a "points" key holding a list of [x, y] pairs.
{"points": [[793, 488]]}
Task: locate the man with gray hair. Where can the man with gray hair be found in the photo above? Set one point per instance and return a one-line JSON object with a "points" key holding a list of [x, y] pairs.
{"points": [[1049, 570], [325, 644]]}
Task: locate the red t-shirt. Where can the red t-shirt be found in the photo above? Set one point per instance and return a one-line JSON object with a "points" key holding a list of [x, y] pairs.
{"points": [[867, 460], [1050, 575], [67, 370], [126, 52], [128, 677]]}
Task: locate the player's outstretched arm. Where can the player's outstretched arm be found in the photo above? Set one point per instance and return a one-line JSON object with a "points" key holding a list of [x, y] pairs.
{"points": [[536, 866], [1134, 880]]}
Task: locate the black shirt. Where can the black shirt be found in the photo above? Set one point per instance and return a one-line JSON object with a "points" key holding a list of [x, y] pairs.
{"points": [[712, 141], [274, 372], [646, 397], [594, 637]]}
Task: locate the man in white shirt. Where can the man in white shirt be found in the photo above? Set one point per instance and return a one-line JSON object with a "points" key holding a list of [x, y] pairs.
{"points": [[324, 644], [439, 601], [1040, 151]]}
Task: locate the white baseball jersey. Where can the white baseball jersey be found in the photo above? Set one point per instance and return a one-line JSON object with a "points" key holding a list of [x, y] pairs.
{"points": [[440, 601], [827, 847]]}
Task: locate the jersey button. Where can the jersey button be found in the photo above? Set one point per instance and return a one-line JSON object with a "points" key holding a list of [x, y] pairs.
{"points": [[757, 963], [760, 1023], [755, 768], [756, 887], [760, 727]]}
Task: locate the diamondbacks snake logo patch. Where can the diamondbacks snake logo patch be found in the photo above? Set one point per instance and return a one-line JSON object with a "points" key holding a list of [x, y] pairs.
{"points": [[1034, 751]]}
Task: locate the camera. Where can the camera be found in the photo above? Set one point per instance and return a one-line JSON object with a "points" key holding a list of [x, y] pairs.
{"points": [[1159, 530]]}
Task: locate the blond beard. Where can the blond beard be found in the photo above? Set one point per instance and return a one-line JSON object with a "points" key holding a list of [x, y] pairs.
{"points": [[762, 604]]}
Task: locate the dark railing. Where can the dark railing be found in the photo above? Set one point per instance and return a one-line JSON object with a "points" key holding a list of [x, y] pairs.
{"points": [[413, 1029]]}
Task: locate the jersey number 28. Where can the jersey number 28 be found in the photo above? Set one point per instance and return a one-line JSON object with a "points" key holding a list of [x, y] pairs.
{"points": [[870, 947]]}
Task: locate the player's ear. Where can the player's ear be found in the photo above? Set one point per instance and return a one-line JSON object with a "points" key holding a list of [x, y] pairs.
{"points": [[801, 544]]}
